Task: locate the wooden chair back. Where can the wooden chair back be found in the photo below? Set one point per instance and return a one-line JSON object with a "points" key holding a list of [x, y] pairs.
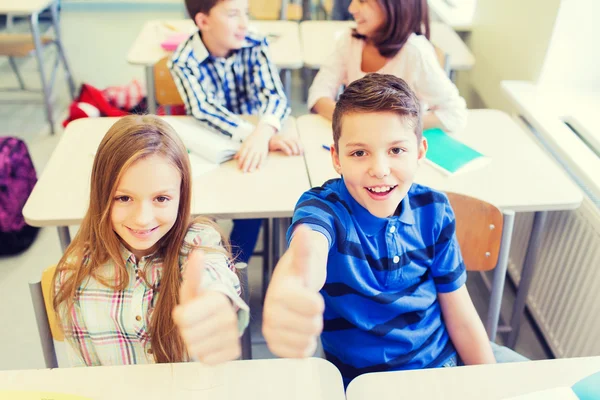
{"points": [[164, 86]]}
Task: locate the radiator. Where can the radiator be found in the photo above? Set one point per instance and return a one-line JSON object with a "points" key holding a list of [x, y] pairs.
{"points": [[564, 297]]}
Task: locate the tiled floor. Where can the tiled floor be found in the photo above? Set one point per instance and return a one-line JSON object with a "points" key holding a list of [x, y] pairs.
{"points": [[96, 44]]}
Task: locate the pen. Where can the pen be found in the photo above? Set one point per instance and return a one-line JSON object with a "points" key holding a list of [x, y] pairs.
{"points": [[327, 147]]}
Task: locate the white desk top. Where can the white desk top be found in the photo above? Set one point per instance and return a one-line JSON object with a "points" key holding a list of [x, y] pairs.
{"points": [[546, 107], [23, 7], [61, 195], [520, 176], [459, 16], [286, 50], [274, 379], [496, 381], [318, 38]]}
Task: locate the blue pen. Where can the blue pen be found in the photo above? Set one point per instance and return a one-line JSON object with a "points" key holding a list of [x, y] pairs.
{"points": [[327, 148]]}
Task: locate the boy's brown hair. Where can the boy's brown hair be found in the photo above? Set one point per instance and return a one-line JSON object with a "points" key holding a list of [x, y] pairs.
{"points": [[200, 6], [376, 93]]}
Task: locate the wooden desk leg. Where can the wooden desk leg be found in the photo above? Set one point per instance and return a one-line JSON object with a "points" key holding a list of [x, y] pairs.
{"points": [[64, 236], [35, 31], [531, 257], [150, 93], [493, 316]]}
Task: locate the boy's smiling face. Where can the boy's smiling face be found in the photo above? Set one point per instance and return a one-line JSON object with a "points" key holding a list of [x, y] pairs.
{"points": [[224, 28], [378, 157]]}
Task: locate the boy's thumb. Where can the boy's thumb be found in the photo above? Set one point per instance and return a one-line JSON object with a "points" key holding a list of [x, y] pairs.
{"points": [[192, 277], [302, 253]]}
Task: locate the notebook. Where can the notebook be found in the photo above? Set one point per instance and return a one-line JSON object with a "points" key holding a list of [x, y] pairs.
{"points": [[587, 388], [206, 146], [450, 155]]}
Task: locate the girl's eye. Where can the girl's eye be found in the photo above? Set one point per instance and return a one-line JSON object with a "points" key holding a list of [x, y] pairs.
{"points": [[396, 150], [162, 199], [123, 199], [358, 153]]}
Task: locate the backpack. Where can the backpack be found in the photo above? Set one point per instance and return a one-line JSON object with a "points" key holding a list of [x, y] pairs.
{"points": [[17, 179]]}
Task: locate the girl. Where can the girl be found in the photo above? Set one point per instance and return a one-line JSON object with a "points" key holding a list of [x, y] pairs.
{"points": [[118, 283], [391, 37]]}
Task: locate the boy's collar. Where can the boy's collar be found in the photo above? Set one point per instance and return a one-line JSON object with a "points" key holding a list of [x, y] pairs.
{"points": [[201, 52], [369, 223]]}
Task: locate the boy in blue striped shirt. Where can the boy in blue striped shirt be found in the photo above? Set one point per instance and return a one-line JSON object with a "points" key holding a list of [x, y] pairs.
{"points": [[381, 249], [222, 71]]}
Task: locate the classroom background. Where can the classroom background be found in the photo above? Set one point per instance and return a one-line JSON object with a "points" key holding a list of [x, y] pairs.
{"points": [[536, 60]]}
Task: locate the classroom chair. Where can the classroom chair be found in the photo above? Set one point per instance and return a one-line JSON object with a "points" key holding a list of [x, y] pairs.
{"points": [[165, 90], [17, 45], [479, 233], [49, 328]]}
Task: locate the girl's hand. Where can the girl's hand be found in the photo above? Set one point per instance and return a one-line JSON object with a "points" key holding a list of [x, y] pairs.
{"points": [[206, 319]]}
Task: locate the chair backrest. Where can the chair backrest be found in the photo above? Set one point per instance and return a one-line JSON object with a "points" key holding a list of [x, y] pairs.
{"points": [[164, 86], [47, 322], [443, 59], [478, 230]]}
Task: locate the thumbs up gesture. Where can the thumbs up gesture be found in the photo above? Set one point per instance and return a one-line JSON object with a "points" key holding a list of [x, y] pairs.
{"points": [[293, 310], [206, 319]]}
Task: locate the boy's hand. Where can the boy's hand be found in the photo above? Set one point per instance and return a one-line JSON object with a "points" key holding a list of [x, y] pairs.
{"points": [[289, 145], [253, 152], [293, 313], [206, 319]]}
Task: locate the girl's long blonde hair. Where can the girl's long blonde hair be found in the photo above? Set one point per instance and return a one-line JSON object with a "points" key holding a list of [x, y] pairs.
{"points": [[129, 140]]}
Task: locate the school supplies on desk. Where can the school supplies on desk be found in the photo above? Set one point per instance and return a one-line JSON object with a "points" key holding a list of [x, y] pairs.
{"points": [[211, 146], [174, 40], [450, 155]]}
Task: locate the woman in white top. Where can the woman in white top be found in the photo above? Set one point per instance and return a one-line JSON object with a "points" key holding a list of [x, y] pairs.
{"points": [[391, 37]]}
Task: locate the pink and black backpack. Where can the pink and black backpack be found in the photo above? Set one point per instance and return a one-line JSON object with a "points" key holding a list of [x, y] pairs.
{"points": [[17, 179]]}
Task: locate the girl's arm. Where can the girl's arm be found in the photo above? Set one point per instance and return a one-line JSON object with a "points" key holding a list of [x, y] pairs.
{"points": [[327, 83], [465, 328]]}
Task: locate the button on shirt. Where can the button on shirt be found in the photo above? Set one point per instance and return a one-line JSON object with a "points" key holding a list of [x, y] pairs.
{"points": [[217, 90], [383, 277], [112, 327]]}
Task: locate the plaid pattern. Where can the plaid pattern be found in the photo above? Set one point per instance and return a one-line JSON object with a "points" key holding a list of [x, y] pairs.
{"points": [[112, 327], [218, 90]]}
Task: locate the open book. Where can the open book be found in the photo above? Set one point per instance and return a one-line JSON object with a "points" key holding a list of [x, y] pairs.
{"points": [[450, 155], [207, 148], [587, 388]]}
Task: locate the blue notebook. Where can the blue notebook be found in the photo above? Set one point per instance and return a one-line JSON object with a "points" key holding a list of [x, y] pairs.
{"points": [[450, 155]]}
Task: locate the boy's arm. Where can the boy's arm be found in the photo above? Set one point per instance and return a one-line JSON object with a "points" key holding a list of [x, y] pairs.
{"points": [[293, 310], [203, 105], [465, 328]]}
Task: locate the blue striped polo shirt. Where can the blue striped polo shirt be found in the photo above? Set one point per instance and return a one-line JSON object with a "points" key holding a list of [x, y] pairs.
{"points": [[383, 277]]}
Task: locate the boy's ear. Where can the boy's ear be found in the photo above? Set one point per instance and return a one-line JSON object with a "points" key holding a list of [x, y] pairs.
{"points": [[422, 149], [335, 159], [201, 21]]}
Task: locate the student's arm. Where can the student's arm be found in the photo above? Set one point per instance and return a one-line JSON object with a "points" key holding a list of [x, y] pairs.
{"points": [[293, 309], [447, 109], [465, 327], [202, 104], [332, 74], [449, 275]]}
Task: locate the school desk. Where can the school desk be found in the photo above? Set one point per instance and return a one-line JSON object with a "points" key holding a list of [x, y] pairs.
{"points": [[283, 36], [61, 194], [32, 10], [521, 177], [490, 382], [456, 13], [318, 38], [273, 379]]}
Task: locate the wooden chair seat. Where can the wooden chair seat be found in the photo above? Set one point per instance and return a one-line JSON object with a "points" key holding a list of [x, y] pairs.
{"points": [[19, 45]]}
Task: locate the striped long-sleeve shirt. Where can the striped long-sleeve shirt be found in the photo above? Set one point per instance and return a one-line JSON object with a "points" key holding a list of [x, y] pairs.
{"points": [[112, 327], [217, 90]]}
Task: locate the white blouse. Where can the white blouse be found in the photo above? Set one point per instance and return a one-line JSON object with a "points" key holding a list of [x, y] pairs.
{"points": [[416, 63]]}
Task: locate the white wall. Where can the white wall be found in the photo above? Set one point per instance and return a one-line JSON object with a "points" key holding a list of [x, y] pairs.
{"points": [[573, 57]]}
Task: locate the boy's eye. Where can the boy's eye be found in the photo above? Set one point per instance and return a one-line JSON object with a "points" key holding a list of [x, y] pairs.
{"points": [[358, 153], [123, 199], [162, 199], [396, 150]]}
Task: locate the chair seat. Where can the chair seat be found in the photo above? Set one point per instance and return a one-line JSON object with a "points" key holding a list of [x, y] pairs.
{"points": [[19, 45]]}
